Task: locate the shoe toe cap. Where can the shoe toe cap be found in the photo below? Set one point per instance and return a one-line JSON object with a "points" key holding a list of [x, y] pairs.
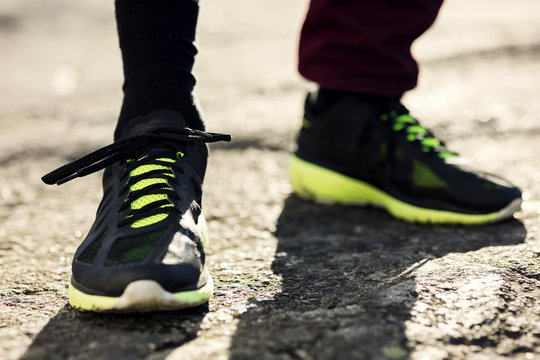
{"points": [[111, 281]]}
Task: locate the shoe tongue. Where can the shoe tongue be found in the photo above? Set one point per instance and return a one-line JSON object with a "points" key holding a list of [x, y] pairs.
{"points": [[152, 121]]}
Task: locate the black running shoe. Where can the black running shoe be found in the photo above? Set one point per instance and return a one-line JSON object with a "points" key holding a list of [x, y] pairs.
{"points": [[145, 250], [357, 152]]}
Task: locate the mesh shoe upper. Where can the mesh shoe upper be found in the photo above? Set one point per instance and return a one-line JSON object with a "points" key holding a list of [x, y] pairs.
{"points": [[384, 146], [146, 224]]}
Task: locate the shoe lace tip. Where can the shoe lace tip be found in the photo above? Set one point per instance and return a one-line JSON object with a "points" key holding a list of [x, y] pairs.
{"points": [[46, 180]]}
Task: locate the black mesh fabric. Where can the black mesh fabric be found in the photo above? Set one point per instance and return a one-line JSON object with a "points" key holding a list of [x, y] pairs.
{"points": [[133, 249], [89, 254]]}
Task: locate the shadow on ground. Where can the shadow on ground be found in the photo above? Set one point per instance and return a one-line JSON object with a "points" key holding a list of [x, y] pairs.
{"points": [[345, 290], [346, 293], [74, 334]]}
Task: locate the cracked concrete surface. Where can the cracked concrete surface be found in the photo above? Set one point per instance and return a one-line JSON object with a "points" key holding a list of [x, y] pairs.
{"points": [[294, 280]]}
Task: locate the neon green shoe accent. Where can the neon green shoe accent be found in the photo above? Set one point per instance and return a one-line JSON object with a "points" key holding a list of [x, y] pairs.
{"points": [[148, 199], [422, 176], [320, 184], [147, 221], [401, 121], [161, 301], [146, 168], [147, 182], [82, 301], [416, 131], [446, 154]]}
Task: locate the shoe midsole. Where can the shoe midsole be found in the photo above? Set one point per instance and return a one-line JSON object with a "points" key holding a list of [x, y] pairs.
{"points": [[83, 301], [315, 182]]}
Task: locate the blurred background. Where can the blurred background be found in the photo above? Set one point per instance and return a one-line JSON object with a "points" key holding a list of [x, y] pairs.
{"points": [[61, 77], [60, 65]]}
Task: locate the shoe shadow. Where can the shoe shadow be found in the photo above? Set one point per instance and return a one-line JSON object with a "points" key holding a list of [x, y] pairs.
{"points": [[83, 335], [346, 292]]}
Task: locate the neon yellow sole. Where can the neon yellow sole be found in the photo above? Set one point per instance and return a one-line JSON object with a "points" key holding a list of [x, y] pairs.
{"points": [[141, 296], [320, 184]]}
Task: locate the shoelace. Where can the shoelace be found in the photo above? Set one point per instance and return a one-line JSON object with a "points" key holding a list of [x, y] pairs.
{"points": [[403, 122], [107, 155], [148, 188], [146, 177]]}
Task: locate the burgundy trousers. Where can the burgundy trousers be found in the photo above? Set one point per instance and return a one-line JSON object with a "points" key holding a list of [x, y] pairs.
{"points": [[364, 45]]}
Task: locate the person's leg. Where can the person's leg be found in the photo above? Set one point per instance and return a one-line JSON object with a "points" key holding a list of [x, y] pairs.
{"points": [[145, 250], [364, 45], [157, 44], [358, 144]]}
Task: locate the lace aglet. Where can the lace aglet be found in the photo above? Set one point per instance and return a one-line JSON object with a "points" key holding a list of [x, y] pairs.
{"points": [[67, 178], [215, 137]]}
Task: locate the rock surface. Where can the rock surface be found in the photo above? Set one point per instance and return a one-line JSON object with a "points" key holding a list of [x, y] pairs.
{"points": [[294, 280]]}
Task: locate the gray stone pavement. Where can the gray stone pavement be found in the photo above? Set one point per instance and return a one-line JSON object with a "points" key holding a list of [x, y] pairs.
{"points": [[293, 280]]}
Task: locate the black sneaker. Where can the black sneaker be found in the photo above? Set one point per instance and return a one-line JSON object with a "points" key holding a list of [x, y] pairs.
{"points": [[358, 152], [145, 250]]}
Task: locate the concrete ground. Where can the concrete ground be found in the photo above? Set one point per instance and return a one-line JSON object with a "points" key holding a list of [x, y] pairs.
{"points": [[294, 280]]}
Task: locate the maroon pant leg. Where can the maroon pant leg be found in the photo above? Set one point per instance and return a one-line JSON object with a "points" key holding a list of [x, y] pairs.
{"points": [[364, 45]]}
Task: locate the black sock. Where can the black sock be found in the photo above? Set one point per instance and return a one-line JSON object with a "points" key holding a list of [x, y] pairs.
{"points": [[326, 98], [156, 40]]}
